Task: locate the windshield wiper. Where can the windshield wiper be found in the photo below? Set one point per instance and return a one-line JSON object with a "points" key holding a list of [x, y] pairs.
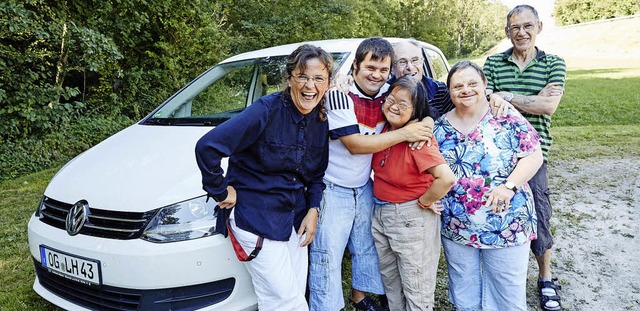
{"points": [[184, 121], [159, 121]]}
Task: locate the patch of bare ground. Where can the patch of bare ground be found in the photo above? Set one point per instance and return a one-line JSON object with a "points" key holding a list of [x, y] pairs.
{"points": [[596, 225]]}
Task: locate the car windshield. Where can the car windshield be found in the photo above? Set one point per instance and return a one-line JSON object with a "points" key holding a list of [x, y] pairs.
{"points": [[224, 91]]}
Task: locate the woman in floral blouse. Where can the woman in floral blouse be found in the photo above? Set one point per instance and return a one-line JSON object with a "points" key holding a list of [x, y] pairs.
{"points": [[488, 219]]}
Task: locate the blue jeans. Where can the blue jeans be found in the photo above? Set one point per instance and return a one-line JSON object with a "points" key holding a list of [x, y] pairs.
{"points": [[487, 279], [344, 220]]}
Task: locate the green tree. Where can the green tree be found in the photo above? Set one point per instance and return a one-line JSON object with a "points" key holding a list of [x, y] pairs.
{"points": [[29, 52], [567, 12], [264, 23], [460, 28], [165, 44], [476, 25], [72, 64], [61, 59]]}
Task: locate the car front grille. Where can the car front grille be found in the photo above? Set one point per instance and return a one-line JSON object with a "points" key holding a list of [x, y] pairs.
{"points": [[111, 298], [100, 223]]}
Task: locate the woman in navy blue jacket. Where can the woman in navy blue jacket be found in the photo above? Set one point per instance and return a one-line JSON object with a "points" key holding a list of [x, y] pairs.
{"points": [[278, 152]]}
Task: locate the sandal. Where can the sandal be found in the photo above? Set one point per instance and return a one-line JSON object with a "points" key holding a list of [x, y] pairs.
{"points": [[549, 299]]}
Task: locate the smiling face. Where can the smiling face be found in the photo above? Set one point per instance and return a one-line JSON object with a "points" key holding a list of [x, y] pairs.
{"points": [[308, 86], [467, 88], [408, 61], [523, 30], [371, 75], [398, 108]]}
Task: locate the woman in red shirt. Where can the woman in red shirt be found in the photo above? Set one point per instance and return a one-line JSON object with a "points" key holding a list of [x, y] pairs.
{"points": [[406, 224]]}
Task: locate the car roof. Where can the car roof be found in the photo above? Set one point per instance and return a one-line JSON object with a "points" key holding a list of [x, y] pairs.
{"points": [[331, 46]]}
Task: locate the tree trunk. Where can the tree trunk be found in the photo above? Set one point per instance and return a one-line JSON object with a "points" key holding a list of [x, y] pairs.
{"points": [[61, 62]]}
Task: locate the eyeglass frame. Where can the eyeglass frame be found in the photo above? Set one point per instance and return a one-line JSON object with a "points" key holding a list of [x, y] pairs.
{"points": [[514, 29], [304, 79], [401, 106], [415, 61]]}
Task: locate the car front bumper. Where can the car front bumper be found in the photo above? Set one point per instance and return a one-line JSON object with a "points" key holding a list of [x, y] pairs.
{"points": [[135, 274]]}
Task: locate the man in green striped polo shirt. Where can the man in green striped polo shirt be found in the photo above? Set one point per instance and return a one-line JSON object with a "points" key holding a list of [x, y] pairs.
{"points": [[533, 82]]}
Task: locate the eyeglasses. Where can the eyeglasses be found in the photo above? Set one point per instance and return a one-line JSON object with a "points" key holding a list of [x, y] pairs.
{"points": [[317, 80], [416, 61], [391, 102], [516, 28]]}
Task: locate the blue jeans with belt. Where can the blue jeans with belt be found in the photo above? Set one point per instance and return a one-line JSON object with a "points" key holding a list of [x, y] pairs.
{"points": [[344, 221]]}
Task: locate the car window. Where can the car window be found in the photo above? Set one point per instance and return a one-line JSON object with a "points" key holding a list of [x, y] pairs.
{"points": [[229, 93], [224, 91], [440, 68]]}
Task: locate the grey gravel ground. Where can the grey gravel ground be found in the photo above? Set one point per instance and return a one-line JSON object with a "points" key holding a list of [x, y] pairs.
{"points": [[597, 232]]}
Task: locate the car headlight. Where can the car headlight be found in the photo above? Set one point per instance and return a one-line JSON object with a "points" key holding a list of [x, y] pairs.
{"points": [[182, 221]]}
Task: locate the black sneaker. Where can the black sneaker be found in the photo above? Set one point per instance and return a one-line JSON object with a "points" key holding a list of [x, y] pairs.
{"points": [[366, 304], [384, 302]]}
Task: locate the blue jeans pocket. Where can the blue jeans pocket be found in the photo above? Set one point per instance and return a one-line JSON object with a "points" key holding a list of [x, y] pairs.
{"points": [[319, 271]]}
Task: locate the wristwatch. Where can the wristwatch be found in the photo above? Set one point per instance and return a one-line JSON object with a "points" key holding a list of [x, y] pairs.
{"points": [[508, 97], [511, 186]]}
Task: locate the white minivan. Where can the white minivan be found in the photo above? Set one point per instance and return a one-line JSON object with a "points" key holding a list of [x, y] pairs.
{"points": [[125, 225]]}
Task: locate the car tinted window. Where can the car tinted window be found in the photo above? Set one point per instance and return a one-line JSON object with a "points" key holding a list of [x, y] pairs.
{"points": [[224, 91], [228, 93], [438, 64], [212, 98]]}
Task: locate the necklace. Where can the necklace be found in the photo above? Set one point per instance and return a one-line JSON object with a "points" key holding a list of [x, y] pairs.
{"points": [[385, 157]]}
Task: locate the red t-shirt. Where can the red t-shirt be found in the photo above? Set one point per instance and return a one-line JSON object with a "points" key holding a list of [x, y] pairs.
{"points": [[400, 174]]}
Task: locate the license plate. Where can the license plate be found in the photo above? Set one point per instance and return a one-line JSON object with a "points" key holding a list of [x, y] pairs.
{"points": [[76, 268]]}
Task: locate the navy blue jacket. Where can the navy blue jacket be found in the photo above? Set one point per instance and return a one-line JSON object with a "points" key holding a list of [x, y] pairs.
{"points": [[277, 158], [438, 95]]}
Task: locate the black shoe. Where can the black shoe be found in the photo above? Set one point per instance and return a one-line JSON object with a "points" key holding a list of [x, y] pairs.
{"points": [[384, 302], [366, 304]]}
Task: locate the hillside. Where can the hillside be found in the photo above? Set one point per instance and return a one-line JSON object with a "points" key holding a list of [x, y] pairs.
{"points": [[618, 43]]}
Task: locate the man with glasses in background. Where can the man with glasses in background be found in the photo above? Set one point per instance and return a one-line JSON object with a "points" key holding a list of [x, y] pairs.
{"points": [[409, 61], [533, 82]]}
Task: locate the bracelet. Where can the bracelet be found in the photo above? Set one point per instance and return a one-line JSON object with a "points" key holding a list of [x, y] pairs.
{"points": [[421, 205]]}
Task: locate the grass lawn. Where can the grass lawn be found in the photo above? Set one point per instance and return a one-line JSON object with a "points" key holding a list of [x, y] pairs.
{"points": [[599, 97], [18, 200], [597, 118]]}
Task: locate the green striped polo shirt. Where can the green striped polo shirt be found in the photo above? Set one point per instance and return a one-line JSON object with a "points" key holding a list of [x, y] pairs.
{"points": [[504, 75]]}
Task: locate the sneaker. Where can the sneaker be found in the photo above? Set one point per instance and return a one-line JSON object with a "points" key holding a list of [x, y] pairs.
{"points": [[384, 302], [366, 304]]}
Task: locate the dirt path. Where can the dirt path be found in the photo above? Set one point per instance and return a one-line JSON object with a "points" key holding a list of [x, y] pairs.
{"points": [[597, 230]]}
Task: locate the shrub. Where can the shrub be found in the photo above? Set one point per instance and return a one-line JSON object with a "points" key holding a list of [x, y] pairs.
{"points": [[58, 146]]}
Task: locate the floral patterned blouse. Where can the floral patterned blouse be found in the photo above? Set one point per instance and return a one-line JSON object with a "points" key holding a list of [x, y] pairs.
{"points": [[482, 160]]}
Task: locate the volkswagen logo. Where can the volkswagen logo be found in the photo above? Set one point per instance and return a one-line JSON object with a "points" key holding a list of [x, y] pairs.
{"points": [[76, 217]]}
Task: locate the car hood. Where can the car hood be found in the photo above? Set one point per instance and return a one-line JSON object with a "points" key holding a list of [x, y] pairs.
{"points": [[142, 167]]}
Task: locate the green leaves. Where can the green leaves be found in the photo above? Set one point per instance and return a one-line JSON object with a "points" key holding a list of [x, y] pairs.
{"points": [[569, 12]]}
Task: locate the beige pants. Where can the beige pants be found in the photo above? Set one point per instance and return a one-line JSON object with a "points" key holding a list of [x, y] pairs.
{"points": [[408, 243]]}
